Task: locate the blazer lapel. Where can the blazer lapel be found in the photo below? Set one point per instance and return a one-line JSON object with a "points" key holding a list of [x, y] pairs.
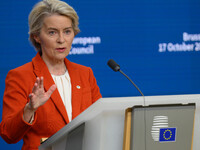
{"points": [[76, 88], [41, 69]]}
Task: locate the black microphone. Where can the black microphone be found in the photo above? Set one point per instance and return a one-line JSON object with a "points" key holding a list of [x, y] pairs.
{"points": [[114, 66]]}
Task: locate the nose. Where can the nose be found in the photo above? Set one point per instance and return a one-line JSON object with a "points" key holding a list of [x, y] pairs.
{"points": [[60, 38]]}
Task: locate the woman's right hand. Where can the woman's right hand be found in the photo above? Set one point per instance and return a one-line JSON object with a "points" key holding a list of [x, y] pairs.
{"points": [[38, 97]]}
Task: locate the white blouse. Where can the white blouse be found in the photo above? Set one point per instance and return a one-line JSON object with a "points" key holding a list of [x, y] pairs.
{"points": [[63, 84]]}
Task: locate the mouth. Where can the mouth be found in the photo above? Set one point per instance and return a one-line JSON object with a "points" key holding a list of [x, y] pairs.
{"points": [[62, 49]]}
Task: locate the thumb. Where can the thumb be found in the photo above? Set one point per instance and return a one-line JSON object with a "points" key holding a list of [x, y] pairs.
{"points": [[51, 90]]}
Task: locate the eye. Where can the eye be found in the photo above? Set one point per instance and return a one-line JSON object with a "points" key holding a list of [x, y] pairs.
{"points": [[68, 32], [52, 32]]}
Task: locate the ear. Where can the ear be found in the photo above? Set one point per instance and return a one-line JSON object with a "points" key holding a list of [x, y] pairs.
{"points": [[37, 38]]}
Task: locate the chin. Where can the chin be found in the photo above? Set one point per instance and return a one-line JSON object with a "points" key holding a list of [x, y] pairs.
{"points": [[61, 56]]}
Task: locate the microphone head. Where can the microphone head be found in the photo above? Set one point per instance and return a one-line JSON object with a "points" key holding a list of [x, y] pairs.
{"points": [[113, 65]]}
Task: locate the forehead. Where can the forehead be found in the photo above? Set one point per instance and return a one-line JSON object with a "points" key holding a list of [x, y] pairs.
{"points": [[57, 21]]}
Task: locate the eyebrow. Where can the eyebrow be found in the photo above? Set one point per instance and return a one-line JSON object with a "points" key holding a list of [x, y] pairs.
{"points": [[51, 28]]}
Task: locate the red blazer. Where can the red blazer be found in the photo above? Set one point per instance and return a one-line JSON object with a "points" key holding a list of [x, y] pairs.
{"points": [[50, 117]]}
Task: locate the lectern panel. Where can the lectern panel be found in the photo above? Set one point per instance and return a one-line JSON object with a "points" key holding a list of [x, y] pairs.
{"points": [[162, 127], [75, 138]]}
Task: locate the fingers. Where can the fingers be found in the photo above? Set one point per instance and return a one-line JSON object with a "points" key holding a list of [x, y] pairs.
{"points": [[38, 97], [38, 84], [30, 96], [35, 87], [51, 90], [41, 82]]}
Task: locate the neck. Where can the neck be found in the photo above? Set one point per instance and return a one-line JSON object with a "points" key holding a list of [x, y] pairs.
{"points": [[56, 68]]}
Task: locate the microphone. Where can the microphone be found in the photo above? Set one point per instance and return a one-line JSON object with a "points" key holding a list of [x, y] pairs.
{"points": [[114, 66]]}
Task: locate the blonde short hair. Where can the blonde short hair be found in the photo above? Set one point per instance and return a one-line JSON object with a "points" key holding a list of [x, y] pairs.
{"points": [[46, 8]]}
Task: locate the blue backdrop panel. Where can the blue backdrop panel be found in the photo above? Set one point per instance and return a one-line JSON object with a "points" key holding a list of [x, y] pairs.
{"points": [[156, 43]]}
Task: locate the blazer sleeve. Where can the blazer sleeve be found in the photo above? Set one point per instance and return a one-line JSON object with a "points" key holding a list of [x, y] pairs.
{"points": [[94, 87], [13, 127]]}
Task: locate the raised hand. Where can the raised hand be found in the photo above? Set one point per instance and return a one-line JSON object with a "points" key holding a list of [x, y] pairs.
{"points": [[38, 97]]}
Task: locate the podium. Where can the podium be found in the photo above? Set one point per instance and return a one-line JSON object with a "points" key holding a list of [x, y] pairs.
{"points": [[101, 126]]}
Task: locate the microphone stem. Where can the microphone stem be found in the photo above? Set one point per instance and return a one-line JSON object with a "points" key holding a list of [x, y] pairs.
{"points": [[131, 82], [144, 107], [145, 140]]}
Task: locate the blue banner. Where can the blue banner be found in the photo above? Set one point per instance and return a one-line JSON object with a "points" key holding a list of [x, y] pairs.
{"points": [[156, 43]]}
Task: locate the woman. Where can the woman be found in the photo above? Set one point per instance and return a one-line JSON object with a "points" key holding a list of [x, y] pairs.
{"points": [[44, 95]]}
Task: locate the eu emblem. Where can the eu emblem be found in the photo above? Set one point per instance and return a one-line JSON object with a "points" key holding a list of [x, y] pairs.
{"points": [[167, 135]]}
